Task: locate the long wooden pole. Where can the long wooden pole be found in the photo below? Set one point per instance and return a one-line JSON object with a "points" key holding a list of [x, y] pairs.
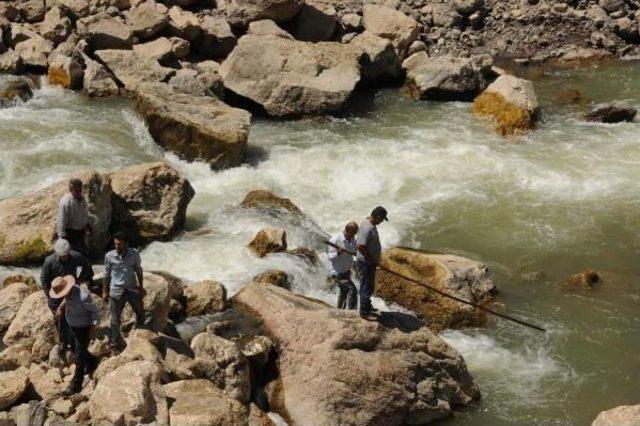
{"points": [[449, 296]]}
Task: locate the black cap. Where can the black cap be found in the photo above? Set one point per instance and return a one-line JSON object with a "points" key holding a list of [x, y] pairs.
{"points": [[380, 212]]}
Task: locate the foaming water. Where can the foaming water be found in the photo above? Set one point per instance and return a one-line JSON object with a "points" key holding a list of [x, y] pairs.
{"points": [[535, 208]]}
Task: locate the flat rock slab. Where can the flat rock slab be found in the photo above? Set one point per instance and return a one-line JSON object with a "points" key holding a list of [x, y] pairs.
{"points": [[292, 78], [132, 68], [339, 369], [194, 127]]}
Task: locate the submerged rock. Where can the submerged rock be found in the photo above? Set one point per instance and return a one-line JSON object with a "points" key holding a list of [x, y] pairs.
{"points": [[27, 222], [460, 277], [150, 201], [586, 279], [612, 114], [511, 102], [14, 88], [394, 377], [194, 127], [269, 240], [276, 278], [292, 78], [446, 78], [624, 415]]}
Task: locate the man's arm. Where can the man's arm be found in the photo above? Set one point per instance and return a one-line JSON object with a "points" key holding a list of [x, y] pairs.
{"points": [[333, 252], [86, 271], [139, 274], [107, 278], [61, 223]]}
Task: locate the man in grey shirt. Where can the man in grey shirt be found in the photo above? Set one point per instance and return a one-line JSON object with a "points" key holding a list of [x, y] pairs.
{"points": [[368, 258], [82, 314], [73, 217], [123, 283]]}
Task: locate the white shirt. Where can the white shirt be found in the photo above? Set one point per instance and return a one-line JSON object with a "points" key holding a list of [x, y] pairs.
{"points": [[72, 213], [340, 262]]}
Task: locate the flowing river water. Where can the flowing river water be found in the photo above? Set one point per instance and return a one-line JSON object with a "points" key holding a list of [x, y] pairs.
{"points": [[535, 209]]}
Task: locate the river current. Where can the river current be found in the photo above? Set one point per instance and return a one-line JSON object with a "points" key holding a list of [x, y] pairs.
{"points": [[535, 208]]}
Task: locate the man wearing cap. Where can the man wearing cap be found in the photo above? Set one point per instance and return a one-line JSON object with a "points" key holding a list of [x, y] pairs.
{"points": [[82, 315], [63, 261], [341, 260], [368, 258], [73, 217], [123, 283]]}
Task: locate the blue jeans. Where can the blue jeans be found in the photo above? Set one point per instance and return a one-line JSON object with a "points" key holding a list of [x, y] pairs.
{"points": [[116, 305], [367, 275]]}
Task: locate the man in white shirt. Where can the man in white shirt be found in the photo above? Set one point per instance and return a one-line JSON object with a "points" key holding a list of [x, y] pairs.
{"points": [[73, 217], [341, 261]]}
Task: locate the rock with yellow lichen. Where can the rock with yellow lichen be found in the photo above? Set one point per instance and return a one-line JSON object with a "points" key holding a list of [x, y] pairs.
{"points": [[511, 102]]}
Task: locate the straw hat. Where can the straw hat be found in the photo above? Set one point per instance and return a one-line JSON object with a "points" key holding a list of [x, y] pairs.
{"points": [[61, 286]]}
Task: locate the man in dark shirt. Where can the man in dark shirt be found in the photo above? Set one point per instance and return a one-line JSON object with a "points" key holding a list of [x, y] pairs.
{"points": [[62, 262]]}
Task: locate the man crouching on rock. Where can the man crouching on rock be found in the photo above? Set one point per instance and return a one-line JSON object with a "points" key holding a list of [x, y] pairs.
{"points": [[341, 260], [123, 283], [81, 315]]}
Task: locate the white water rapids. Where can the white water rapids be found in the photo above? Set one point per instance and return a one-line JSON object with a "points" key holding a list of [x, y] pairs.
{"points": [[535, 208]]}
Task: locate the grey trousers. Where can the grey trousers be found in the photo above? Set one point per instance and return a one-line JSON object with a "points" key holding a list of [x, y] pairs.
{"points": [[116, 305], [347, 292]]}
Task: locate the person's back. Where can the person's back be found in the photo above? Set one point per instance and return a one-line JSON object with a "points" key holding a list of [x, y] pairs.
{"points": [[369, 238]]}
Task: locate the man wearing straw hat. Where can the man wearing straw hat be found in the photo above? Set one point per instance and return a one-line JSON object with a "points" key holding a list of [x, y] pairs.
{"points": [[81, 315], [63, 261]]}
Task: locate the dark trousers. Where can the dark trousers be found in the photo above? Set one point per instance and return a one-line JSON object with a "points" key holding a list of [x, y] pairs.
{"points": [[62, 328], [347, 292], [85, 362], [367, 275], [76, 240], [116, 305]]}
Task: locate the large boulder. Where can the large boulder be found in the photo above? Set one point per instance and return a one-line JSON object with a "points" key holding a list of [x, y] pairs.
{"points": [[205, 297], [97, 81], [56, 27], [200, 402], [138, 348], [511, 102], [291, 78], [75, 8], [147, 19], [194, 127], [65, 71], [393, 377], [33, 327], [149, 201], [222, 362], [164, 50], [241, 12], [132, 68], [446, 78], [34, 52], [394, 25], [129, 395], [216, 39], [455, 275], [108, 33], [317, 21], [611, 114], [198, 82], [379, 60], [157, 301], [11, 298], [269, 240], [27, 222], [15, 356], [46, 383], [10, 62], [184, 24], [15, 88], [12, 386], [624, 415]]}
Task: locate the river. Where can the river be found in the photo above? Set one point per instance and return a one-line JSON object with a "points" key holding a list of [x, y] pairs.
{"points": [[535, 208]]}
